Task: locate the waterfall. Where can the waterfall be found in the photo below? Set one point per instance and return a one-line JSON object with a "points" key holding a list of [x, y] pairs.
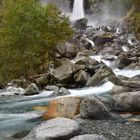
{"points": [[78, 10]]}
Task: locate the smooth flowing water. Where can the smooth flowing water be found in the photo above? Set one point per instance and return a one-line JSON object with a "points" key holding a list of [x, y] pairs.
{"points": [[78, 10], [17, 113]]}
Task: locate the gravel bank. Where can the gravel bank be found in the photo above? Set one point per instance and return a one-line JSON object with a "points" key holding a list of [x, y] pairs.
{"points": [[111, 130]]}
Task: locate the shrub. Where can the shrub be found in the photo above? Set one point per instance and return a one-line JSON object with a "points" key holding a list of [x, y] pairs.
{"points": [[28, 32]]}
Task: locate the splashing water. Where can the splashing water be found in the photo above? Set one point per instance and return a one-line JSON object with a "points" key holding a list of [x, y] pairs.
{"points": [[78, 10]]}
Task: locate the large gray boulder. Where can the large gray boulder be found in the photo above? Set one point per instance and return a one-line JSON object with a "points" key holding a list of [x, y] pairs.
{"points": [[129, 101], [62, 73], [120, 89], [81, 24], [90, 64], [59, 128], [135, 84], [89, 137], [87, 61], [92, 107], [67, 50], [81, 77], [99, 76]]}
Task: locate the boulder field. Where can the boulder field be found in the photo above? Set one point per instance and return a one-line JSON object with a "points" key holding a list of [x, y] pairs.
{"points": [[89, 59]]}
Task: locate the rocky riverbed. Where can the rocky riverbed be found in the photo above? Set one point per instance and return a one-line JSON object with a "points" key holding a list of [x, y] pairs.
{"points": [[93, 87]]}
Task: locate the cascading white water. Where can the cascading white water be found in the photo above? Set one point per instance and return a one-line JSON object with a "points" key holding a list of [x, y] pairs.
{"points": [[78, 10]]}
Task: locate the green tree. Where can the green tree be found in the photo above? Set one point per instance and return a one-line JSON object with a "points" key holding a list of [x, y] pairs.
{"points": [[28, 33], [136, 16]]}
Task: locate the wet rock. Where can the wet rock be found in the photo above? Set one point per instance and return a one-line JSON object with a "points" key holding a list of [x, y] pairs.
{"points": [[128, 101], [92, 107], [132, 84], [89, 137], [71, 50], [116, 80], [51, 88], [56, 93], [123, 61], [62, 61], [134, 66], [63, 107], [137, 77], [67, 50], [90, 64], [62, 92], [120, 89], [65, 91], [127, 83], [88, 44], [77, 68], [80, 55], [20, 134], [81, 24], [62, 73], [32, 89], [81, 77], [103, 38], [87, 61], [109, 50], [59, 128], [99, 76]]}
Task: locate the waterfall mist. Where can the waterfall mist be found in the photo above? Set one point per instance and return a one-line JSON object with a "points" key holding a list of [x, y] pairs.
{"points": [[98, 13], [108, 12]]}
